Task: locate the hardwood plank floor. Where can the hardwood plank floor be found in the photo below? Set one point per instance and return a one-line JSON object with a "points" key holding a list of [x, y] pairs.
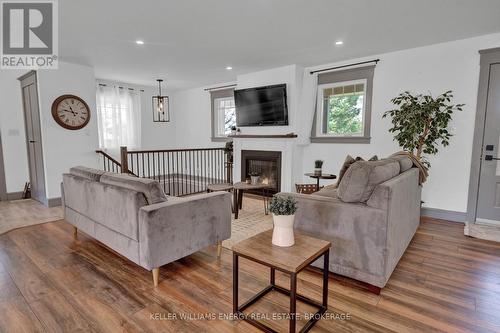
{"points": [[20, 213], [49, 282]]}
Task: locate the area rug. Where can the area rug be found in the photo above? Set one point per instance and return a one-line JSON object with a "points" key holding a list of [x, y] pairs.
{"points": [[22, 213], [251, 221]]}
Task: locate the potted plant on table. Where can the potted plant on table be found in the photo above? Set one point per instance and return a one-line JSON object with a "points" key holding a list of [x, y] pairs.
{"points": [[318, 166], [254, 178], [283, 209]]}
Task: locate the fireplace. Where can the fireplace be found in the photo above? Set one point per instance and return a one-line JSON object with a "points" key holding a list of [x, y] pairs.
{"points": [[267, 164]]}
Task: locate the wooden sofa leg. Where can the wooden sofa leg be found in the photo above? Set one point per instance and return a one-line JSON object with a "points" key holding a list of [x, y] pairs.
{"points": [[219, 249], [75, 232], [156, 275]]}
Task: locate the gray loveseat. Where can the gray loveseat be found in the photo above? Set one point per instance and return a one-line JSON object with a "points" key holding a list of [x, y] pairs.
{"points": [[135, 218], [370, 218]]}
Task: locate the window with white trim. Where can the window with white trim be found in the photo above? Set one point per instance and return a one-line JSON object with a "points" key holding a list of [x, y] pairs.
{"points": [[223, 113], [343, 107]]}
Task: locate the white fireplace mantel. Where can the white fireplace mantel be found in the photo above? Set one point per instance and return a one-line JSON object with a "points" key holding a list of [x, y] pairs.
{"points": [[291, 165]]}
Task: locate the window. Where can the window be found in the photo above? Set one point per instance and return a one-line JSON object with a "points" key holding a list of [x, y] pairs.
{"points": [[226, 118], [223, 113], [344, 106], [118, 117]]}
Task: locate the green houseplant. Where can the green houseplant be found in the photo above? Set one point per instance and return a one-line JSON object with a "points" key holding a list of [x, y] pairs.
{"points": [[420, 122], [283, 209], [228, 149], [318, 166]]}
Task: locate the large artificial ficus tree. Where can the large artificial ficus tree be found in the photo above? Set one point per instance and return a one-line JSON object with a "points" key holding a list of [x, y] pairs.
{"points": [[420, 122]]}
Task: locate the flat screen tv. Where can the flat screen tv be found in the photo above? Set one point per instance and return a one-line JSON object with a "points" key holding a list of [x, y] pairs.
{"points": [[262, 106]]}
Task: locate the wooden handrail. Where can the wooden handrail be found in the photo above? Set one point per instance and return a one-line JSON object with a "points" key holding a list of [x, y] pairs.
{"points": [[171, 150], [115, 162], [108, 156]]}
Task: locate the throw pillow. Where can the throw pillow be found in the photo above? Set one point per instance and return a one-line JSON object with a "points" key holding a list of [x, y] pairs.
{"points": [[362, 177], [347, 163]]}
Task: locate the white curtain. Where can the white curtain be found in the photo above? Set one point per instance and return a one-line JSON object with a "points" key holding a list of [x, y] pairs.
{"points": [[307, 106], [119, 118]]}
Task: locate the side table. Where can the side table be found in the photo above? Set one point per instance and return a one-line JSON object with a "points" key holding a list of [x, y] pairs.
{"points": [[290, 260], [318, 177]]}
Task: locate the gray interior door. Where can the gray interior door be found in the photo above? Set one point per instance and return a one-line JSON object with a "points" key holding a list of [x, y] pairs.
{"points": [[488, 205], [33, 136]]}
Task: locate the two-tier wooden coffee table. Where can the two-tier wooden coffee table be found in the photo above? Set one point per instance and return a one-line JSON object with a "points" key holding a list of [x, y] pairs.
{"points": [[241, 187], [290, 260]]}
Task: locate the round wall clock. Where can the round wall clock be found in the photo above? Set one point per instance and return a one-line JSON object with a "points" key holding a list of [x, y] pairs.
{"points": [[71, 112]]}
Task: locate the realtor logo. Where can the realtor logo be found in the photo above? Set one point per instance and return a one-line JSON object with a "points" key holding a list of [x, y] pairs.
{"points": [[29, 34]]}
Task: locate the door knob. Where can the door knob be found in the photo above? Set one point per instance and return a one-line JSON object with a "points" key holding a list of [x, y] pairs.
{"points": [[491, 158], [32, 141]]}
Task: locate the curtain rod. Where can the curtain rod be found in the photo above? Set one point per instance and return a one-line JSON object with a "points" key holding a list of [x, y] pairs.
{"points": [[343, 66], [221, 87], [105, 85]]}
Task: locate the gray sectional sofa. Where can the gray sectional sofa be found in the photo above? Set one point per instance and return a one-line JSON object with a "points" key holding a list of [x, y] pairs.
{"points": [[135, 218], [370, 218]]}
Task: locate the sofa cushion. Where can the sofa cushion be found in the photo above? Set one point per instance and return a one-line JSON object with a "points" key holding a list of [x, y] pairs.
{"points": [[361, 178], [111, 206], [405, 162], [151, 189], [327, 192], [87, 173]]}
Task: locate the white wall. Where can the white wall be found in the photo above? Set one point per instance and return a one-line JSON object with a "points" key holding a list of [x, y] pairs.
{"points": [[292, 76], [12, 131], [291, 158], [63, 148], [432, 69], [156, 135], [153, 135], [191, 112]]}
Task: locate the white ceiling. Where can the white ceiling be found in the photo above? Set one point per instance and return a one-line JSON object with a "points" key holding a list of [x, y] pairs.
{"points": [[190, 42]]}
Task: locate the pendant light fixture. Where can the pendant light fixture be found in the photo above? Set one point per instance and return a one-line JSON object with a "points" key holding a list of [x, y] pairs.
{"points": [[161, 111]]}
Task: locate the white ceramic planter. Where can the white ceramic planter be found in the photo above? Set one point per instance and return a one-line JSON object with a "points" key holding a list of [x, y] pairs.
{"points": [[283, 230], [254, 180], [318, 171]]}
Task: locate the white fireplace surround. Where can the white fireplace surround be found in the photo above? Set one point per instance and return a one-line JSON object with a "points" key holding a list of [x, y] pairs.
{"points": [[291, 171]]}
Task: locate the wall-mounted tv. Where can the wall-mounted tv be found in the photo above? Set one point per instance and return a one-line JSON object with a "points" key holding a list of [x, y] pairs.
{"points": [[262, 106]]}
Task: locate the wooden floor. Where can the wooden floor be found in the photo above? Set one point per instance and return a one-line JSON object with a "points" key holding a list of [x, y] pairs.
{"points": [[20, 213], [48, 282]]}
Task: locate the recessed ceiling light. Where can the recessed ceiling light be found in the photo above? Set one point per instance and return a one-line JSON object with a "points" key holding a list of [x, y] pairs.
{"points": [[139, 42], [339, 42], [229, 68]]}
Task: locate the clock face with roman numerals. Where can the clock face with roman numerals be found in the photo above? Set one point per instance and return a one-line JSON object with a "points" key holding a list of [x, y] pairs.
{"points": [[71, 112]]}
